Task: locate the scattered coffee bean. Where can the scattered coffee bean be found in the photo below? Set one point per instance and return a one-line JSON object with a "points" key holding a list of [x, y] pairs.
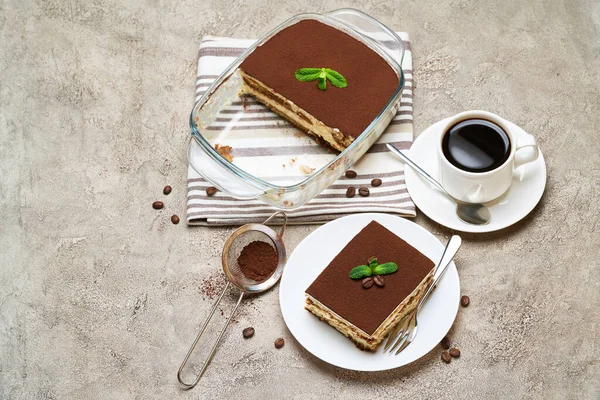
{"points": [[465, 301], [248, 332], [376, 182], [167, 190], [446, 357], [379, 281], [350, 174], [157, 205], [279, 343], [351, 191], [367, 282], [210, 191], [174, 219], [445, 343], [364, 192], [454, 352]]}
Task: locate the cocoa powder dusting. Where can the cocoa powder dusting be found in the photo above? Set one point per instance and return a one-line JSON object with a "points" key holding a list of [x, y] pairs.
{"points": [[212, 285], [257, 261]]}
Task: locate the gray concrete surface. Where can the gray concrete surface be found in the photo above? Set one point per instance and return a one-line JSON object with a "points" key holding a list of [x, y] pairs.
{"points": [[100, 295]]}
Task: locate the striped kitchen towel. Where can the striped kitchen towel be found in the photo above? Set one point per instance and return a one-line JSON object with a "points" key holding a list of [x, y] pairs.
{"points": [[215, 54]]}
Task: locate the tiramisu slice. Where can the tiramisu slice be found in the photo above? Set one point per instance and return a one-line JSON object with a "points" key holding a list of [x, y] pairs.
{"points": [[322, 80], [366, 306]]}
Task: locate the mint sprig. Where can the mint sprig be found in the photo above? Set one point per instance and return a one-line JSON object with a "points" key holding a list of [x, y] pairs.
{"points": [[322, 75], [374, 268]]}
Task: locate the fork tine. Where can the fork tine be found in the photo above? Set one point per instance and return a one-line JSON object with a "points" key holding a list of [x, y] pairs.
{"points": [[400, 340], [393, 334], [410, 337], [400, 335], [396, 331], [389, 339]]}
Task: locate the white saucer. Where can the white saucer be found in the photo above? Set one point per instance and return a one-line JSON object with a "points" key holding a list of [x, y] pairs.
{"points": [[315, 252], [529, 182]]}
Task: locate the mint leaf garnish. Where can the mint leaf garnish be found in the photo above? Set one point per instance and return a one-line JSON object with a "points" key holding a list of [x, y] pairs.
{"points": [[308, 74], [322, 75], [322, 83], [360, 272], [374, 268], [336, 78], [386, 268], [308, 71]]}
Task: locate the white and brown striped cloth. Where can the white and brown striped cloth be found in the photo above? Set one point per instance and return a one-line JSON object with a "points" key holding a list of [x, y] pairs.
{"points": [[215, 54]]}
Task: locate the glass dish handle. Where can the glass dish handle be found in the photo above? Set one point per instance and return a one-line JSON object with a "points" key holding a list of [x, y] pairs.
{"points": [[381, 36]]}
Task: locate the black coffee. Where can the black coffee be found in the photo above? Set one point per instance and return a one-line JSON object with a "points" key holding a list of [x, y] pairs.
{"points": [[476, 145]]}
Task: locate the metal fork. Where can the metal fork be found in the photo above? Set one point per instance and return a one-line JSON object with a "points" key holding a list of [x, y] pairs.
{"points": [[406, 330]]}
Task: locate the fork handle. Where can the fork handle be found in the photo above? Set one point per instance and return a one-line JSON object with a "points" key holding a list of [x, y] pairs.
{"points": [[449, 253]]}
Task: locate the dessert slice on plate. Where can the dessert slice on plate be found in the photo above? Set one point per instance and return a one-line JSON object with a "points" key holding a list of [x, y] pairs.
{"points": [[321, 79], [370, 285]]}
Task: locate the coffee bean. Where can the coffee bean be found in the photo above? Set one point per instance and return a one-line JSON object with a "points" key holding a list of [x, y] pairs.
{"points": [[351, 191], [350, 174], [445, 343], [157, 205], [376, 182], [174, 219], [446, 357], [210, 191], [454, 352], [279, 343], [367, 282], [364, 192], [379, 281], [248, 332], [465, 301], [167, 190]]}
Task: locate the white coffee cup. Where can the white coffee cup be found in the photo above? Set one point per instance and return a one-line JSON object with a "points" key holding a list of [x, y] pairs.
{"points": [[481, 187]]}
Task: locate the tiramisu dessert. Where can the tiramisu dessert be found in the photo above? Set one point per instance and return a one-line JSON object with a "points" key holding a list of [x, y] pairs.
{"points": [[370, 285], [324, 81]]}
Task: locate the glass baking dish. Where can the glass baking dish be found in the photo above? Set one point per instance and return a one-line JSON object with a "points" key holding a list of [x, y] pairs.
{"points": [[247, 151]]}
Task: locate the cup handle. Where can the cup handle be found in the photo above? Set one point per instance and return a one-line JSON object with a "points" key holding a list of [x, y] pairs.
{"points": [[523, 157]]}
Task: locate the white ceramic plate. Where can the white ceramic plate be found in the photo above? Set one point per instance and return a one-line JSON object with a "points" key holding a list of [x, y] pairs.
{"points": [[529, 182], [315, 252]]}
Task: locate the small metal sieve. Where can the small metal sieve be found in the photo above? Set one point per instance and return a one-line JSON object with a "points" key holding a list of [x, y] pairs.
{"points": [[234, 245]]}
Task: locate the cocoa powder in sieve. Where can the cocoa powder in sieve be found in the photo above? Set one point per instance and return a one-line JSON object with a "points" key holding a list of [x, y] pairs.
{"points": [[258, 260]]}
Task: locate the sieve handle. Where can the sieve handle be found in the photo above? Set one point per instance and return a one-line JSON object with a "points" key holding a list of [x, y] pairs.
{"points": [[214, 349], [285, 221]]}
